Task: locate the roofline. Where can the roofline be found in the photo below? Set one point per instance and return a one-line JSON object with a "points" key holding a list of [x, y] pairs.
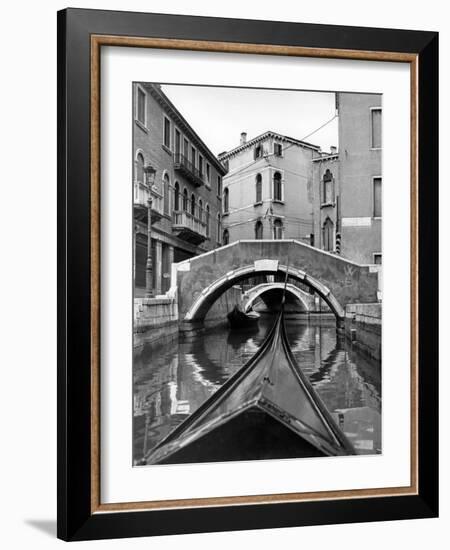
{"points": [[161, 97], [262, 136], [326, 157]]}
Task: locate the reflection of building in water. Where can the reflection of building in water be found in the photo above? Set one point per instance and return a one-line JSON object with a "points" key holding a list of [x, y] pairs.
{"points": [[153, 402], [362, 425], [171, 384]]}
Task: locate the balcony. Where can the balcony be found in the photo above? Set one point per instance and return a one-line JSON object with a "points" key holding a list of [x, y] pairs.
{"points": [[189, 171], [188, 227], [140, 203]]}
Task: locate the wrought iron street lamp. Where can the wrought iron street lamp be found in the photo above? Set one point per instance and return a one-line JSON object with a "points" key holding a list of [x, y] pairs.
{"points": [[150, 174]]}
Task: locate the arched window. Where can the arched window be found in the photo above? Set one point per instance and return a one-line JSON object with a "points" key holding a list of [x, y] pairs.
{"points": [[200, 210], [226, 198], [185, 200], [166, 194], [176, 205], [328, 235], [218, 229], [327, 188], [258, 188], [259, 230], [140, 168], [193, 204], [277, 187], [277, 229], [225, 237], [207, 220]]}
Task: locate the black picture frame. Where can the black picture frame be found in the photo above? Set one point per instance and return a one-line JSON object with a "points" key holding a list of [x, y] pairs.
{"points": [[76, 518]]}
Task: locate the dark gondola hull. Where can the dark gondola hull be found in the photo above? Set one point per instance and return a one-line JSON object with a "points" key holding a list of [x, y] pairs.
{"points": [[268, 409], [251, 435], [237, 319]]}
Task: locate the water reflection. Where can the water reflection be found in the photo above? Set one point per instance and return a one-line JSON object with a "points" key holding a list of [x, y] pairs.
{"points": [[173, 380]]}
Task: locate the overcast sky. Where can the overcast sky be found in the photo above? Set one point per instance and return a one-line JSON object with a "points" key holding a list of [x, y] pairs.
{"points": [[219, 115]]}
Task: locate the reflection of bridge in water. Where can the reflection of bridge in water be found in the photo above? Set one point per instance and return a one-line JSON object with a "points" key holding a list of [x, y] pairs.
{"points": [[171, 382]]}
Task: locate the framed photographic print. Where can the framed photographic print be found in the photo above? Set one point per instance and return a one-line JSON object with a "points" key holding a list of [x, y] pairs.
{"points": [[247, 274]]}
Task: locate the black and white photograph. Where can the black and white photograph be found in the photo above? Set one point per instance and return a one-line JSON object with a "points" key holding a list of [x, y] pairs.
{"points": [[257, 268]]}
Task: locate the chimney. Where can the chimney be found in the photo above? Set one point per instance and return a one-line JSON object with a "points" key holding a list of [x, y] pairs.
{"points": [[333, 149], [243, 138]]}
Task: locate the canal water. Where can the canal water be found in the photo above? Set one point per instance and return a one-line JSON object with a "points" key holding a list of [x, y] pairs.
{"points": [[172, 380]]}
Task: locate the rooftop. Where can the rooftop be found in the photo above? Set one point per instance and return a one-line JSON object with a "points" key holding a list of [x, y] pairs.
{"points": [[160, 96], [262, 137]]}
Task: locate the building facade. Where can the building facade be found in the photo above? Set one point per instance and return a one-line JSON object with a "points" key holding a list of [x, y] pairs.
{"points": [[348, 184], [267, 192], [185, 190]]}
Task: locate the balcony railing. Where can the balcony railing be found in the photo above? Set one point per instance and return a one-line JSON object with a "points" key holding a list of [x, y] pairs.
{"points": [[188, 227], [191, 172], [140, 200]]}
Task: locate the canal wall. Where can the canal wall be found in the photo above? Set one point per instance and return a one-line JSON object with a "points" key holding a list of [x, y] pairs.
{"points": [[363, 328], [155, 320]]}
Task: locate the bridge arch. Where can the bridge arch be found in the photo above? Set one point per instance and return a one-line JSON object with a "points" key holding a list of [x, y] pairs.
{"points": [[211, 293], [251, 295]]}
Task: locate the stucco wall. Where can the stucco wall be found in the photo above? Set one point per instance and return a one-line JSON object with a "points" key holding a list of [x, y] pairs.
{"points": [[295, 210], [359, 164]]}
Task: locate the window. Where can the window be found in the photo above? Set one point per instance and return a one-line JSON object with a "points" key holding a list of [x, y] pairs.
{"points": [[376, 128], [193, 204], [258, 230], [258, 152], [177, 142], [226, 197], [327, 190], [278, 150], [219, 186], [140, 168], [225, 237], [218, 228], [166, 194], [176, 205], [258, 188], [193, 154], [377, 197], [186, 149], [140, 110], [185, 200], [277, 187], [377, 258], [167, 132], [200, 164], [200, 210], [328, 239], [278, 229], [208, 173], [207, 220]]}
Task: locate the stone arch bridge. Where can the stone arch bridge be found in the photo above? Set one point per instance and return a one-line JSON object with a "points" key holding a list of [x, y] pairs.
{"points": [[200, 281], [250, 296]]}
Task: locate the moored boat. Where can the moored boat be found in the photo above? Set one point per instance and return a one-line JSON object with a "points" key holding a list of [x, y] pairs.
{"points": [[239, 319], [267, 409]]}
